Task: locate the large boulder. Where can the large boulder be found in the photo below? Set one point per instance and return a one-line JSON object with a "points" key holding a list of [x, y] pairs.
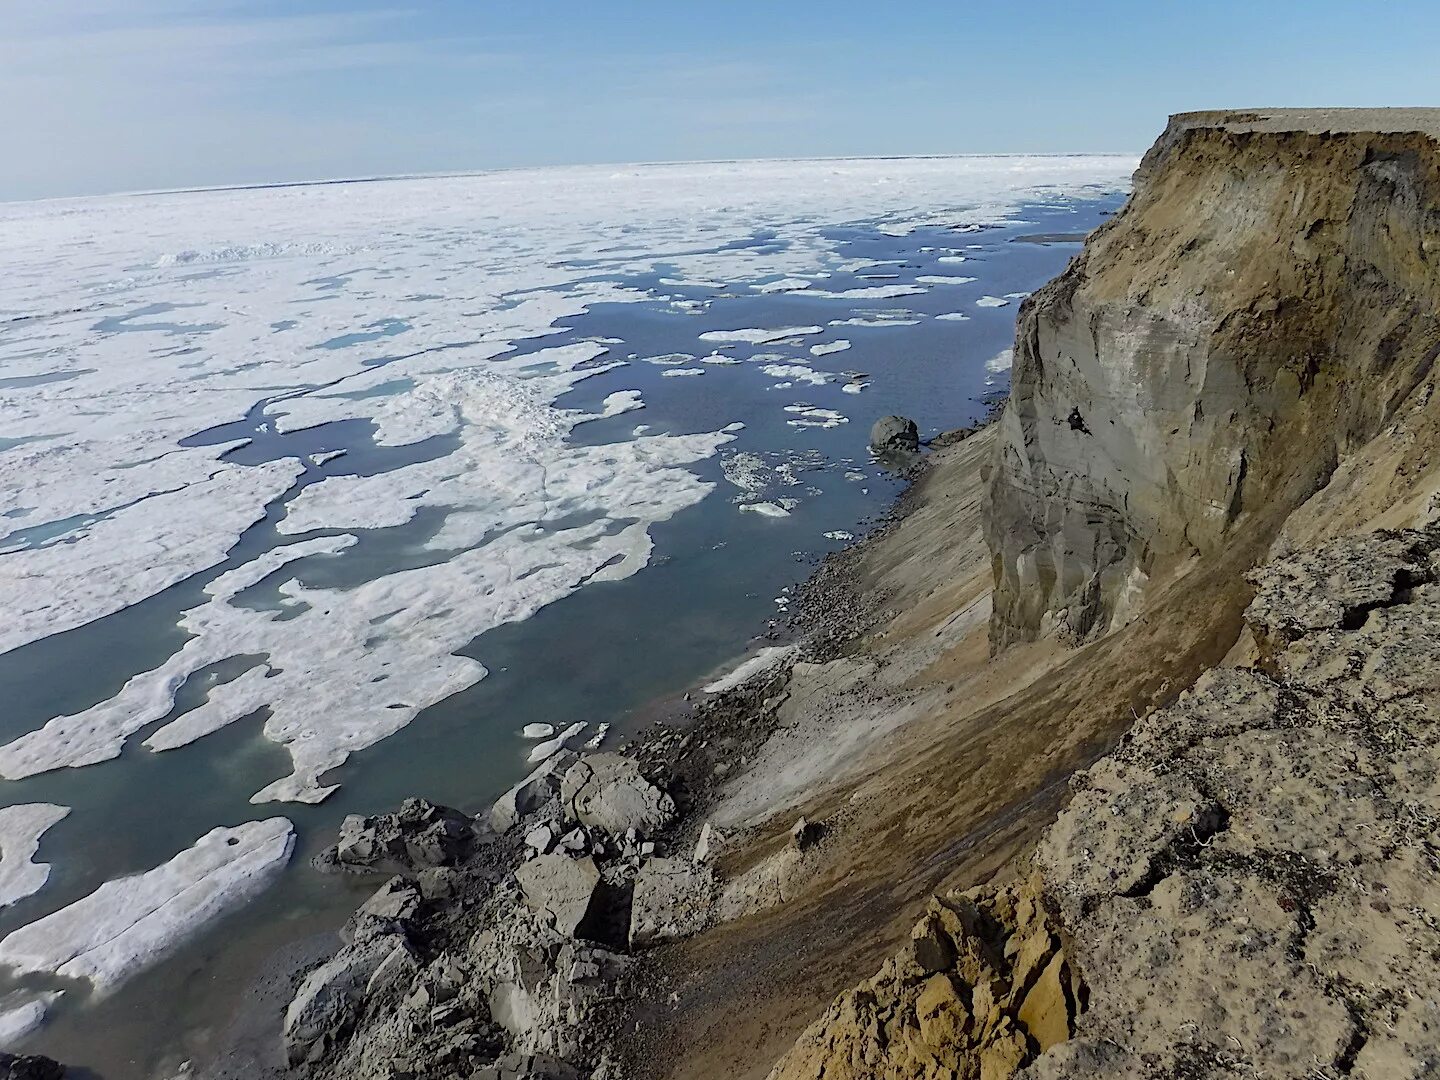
{"points": [[531, 793], [895, 433], [419, 835], [608, 791], [325, 1006], [560, 889]]}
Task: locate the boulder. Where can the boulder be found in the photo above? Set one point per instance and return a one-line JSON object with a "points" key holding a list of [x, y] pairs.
{"points": [[673, 898], [29, 1067], [325, 1006], [531, 793], [421, 834], [895, 433], [607, 791], [388, 911], [560, 889]]}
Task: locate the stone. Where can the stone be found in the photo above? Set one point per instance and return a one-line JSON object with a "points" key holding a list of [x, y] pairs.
{"points": [[1045, 1012], [708, 843], [421, 834], [560, 889], [672, 898], [895, 433], [325, 1005], [540, 838], [608, 791], [531, 793], [942, 1014], [29, 1067], [805, 833]]}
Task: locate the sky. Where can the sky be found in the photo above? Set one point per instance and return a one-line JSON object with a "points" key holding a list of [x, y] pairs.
{"points": [[122, 95]]}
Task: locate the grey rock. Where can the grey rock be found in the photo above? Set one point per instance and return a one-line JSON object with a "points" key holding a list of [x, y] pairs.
{"points": [[531, 793], [421, 834], [325, 1006], [895, 433], [608, 791], [560, 889]]}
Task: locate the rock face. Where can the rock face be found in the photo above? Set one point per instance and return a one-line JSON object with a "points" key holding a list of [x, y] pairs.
{"points": [[982, 981], [29, 1067], [1264, 305], [1248, 882]]}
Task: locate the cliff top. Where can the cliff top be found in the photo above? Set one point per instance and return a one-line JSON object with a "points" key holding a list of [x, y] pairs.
{"points": [[1314, 121]]}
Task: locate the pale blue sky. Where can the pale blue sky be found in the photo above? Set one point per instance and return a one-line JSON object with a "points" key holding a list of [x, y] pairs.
{"points": [[107, 95]]}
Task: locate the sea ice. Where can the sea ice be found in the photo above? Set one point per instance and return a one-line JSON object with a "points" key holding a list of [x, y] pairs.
{"points": [[783, 285], [537, 731], [760, 337], [683, 371], [944, 279], [992, 301], [796, 373], [130, 923], [551, 747], [766, 659], [829, 347], [21, 827], [953, 316]]}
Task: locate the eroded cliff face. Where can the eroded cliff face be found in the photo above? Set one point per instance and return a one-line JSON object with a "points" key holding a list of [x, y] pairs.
{"points": [[1263, 307]]}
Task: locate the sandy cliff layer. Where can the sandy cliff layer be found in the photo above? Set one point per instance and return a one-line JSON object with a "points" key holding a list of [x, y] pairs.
{"points": [[1261, 308]]}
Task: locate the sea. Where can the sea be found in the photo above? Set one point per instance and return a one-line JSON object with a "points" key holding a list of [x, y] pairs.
{"points": [[312, 497]]}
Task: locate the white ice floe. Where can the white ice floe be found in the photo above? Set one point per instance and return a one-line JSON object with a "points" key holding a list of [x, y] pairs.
{"points": [[790, 284], [669, 359], [854, 387], [673, 373], [20, 1020], [796, 373], [873, 321], [766, 509], [550, 747], [952, 259], [765, 660], [130, 923], [1001, 361], [839, 534], [868, 292], [829, 347], [953, 316], [320, 460], [992, 301], [593, 743], [719, 359], [944, 279], [811, 416], [21, 827], [761, 337], [622, 401], [537, 731]]}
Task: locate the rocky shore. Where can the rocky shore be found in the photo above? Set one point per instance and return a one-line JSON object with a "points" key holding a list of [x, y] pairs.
{"points": [[1113, 754]]}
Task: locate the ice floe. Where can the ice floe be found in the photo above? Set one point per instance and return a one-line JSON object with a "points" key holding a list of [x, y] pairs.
{"points": [[675, 373], [944, 279], [760, 337], [783, 285], [992, 301], [953, 316], [764, 660], [21, 827], [794, 373], [811, 416], [130, 923], [829, 347]]}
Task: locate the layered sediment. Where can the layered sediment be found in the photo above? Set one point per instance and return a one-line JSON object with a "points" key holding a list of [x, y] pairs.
{"points": [[1261, 308]]}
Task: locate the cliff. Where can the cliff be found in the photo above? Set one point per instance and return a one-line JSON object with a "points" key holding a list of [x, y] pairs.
{"points": [[1263, 307]]}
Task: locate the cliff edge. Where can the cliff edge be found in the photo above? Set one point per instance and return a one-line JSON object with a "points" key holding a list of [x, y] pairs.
{"points": [[1262, 308]]}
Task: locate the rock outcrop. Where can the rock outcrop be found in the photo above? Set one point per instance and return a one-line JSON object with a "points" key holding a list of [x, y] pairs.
{"points": [[1247, 886], [1263, 306]]}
